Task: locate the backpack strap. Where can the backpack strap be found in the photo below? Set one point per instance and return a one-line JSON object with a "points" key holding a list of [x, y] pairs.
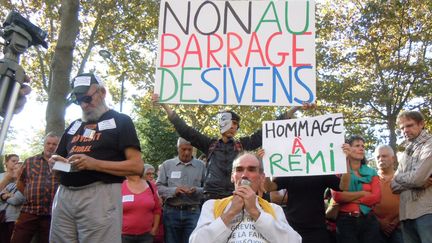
{"points": [[212, 148], [210, 151], [151, 187]]}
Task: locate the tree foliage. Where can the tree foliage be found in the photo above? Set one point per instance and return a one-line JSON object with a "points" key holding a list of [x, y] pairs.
{"points": [[127, 29], [157, 137], [373, 57], [374, 60]]}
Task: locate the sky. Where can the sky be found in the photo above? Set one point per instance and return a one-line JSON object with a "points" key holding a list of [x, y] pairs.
{"points": [[30, 121]]}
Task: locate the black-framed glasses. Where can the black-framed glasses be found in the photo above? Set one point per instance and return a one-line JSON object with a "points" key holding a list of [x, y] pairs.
{"points": [[86, 98]]}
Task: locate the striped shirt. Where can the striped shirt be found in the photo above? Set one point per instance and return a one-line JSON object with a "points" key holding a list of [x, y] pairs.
{"points": [[39, 185]]}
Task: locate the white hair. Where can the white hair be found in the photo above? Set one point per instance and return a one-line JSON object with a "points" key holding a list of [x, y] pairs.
{"points": [[384, 146], [182, 141]]}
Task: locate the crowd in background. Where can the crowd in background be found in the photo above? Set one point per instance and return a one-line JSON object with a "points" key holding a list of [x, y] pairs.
{"points": [[363, 205]]}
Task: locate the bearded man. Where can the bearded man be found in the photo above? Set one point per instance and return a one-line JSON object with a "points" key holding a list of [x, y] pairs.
{"points": [[100, 148]]}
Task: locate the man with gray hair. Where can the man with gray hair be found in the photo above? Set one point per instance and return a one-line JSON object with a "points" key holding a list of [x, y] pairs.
{"points": [[180, 183], [244, 217], [387, 210], [413, 179], [100, 148]]}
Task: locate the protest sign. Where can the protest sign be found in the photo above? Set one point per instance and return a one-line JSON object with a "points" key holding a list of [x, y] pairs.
{"points": [[236, 52], [305, 146]]}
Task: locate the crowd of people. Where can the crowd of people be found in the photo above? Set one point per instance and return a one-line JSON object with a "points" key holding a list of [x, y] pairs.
{"points": [[108, 194]]}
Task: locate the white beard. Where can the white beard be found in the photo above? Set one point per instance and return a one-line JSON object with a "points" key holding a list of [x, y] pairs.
{"points": [[94, 115]]}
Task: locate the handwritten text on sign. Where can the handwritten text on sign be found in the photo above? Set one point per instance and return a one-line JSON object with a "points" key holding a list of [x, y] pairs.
{"points": [[236, 52], [306, 146]]}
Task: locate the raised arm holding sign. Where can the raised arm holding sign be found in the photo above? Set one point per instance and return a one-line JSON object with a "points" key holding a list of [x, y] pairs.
{"points": [[220, 151]]}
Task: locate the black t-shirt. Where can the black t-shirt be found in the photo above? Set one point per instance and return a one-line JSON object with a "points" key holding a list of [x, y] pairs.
{"points": [[106, 139], [305, 206]]}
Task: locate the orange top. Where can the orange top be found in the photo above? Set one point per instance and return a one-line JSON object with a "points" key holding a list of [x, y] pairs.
{"points": [[388, 208]]}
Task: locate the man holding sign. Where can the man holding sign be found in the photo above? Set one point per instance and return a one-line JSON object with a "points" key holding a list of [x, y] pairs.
{"points": [[220, 152]]}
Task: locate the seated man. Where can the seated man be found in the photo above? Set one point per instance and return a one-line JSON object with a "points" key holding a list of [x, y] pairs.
{"points": [[243, 216]]}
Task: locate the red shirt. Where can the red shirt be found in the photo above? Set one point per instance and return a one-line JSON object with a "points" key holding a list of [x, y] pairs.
{"points": [[370, 200], [139, 210]]}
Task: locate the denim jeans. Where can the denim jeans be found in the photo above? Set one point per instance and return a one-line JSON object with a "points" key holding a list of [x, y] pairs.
{"points": [[363, 229], [417, 230], [179, 224], [144, 238]]}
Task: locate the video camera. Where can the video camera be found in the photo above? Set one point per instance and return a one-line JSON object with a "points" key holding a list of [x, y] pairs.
{"points": [[37, 35], [19, 34]]}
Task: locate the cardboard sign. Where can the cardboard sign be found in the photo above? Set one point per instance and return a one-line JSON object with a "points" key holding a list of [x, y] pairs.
{"points": [[236, 52], [305, 146]]}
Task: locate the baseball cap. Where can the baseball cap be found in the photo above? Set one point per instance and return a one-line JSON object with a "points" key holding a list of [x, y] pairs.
{"points": [[82, 82]]}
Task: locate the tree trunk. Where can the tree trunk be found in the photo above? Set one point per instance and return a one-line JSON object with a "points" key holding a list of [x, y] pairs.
{"points": [[391, 122], [61, 66]]}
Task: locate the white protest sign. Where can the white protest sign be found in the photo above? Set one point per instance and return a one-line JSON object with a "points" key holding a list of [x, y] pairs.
{"points": [[236, 52], [305, 146]]}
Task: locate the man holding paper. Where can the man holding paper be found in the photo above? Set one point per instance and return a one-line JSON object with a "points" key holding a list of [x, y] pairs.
{"points": [[102, 147]]}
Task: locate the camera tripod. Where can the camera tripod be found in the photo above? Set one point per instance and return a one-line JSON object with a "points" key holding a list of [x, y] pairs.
{"points": [[19, 34]]}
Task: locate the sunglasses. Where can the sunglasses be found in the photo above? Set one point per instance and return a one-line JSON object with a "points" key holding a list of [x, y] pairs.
{"points": [[86, 98]]}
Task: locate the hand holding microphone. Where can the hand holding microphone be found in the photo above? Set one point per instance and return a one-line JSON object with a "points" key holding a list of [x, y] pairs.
{"points": [[247, 193]]}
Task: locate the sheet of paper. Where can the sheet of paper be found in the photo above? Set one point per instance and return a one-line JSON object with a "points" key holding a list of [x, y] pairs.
{"points": [[62, 166]]}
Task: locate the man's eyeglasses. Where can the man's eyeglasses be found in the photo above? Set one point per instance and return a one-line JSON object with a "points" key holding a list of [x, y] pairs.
{"points": [[86, 98]]}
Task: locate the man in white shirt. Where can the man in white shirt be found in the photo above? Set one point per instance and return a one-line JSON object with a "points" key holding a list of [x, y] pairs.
{"points": [[243, 216]]}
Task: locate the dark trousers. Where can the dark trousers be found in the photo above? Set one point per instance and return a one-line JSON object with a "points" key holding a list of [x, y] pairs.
{"points": [[28, 225], [313, 235], [363, 229], [144, 238], [394, 237], [6, 230]]}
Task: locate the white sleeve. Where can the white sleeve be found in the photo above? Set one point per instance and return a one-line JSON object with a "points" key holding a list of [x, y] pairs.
{"points": [[276, 231], [208, 228], [417, 177]]}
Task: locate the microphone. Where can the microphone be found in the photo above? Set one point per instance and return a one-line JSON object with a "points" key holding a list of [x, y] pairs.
{"points": [[245, 182]]}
